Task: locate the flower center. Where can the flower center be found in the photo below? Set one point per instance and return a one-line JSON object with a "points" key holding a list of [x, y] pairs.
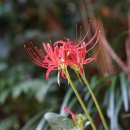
{"points": [[62, 65]]}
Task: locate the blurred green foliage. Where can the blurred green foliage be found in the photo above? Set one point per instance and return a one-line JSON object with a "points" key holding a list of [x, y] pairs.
{"points": [[25, 94]]}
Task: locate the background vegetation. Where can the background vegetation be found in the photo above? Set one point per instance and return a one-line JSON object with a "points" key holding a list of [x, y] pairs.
{"points": [[25, 94]]}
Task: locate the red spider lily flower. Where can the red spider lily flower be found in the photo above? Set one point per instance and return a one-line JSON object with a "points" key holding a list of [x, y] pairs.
{"points": [[63, 54], [70, 112], [53, 60], [77, 53]]}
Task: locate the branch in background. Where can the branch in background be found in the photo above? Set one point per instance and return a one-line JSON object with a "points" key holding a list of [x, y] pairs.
{"points": [[107, 46], [127, 46], [104, 57], [104, 60], [110, 50]]}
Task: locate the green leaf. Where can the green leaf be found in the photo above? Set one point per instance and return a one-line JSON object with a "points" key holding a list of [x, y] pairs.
{"points": [[124, 91], [8, 123], [25, 87], [3, 66], [38, 88], [58, 122], [111, 109], [44, 89], [65, 101], [32, 121], [41, 124], [3, 96]]}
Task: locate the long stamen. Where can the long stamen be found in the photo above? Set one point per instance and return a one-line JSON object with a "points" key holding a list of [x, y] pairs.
{"points": [[76, 34], [35, 55], [95, 42], [85, 35]]}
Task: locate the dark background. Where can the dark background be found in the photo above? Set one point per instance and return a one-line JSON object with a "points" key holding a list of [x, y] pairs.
{"points": [[24, 91]]}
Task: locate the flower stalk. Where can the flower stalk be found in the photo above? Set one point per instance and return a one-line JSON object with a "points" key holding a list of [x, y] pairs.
{"points": [[80, 100], [95, 100]]}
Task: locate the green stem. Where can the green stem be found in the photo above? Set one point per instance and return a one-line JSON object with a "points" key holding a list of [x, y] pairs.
{"points": [[95, 101], [80, 100]]}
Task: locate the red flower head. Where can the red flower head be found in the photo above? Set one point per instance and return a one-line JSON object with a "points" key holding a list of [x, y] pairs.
{"points": [[63, 54], [53, 60], [77, 54]]}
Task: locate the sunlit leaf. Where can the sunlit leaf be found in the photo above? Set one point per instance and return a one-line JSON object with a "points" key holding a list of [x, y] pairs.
{"points": [[41, 124], [124, 91], [111, 109], [58, 122]]}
